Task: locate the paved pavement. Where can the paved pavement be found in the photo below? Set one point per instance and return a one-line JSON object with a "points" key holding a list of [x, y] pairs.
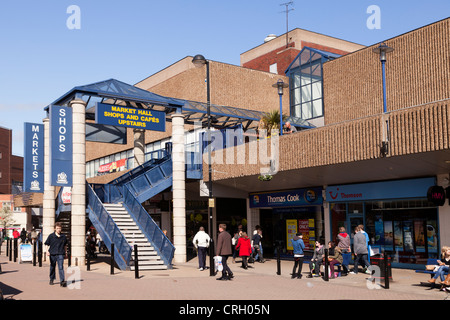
{"points": [[186, 282]]}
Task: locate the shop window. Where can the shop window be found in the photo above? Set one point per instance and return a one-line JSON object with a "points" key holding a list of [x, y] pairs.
{"points": [[405, 229], [338, 218]]}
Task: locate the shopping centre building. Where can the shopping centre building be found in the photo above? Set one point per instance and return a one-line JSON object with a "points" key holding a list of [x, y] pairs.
{"points": [[372, 139]]}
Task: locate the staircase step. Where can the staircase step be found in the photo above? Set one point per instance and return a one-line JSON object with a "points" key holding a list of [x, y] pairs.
{"points": [[158, 267], [147, 255], [153, 262]]}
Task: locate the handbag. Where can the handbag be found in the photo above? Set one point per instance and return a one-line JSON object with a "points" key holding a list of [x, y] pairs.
{"points": [[430, 267]]}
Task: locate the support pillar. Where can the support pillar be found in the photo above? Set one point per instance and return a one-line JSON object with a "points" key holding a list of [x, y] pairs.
{"points": [[78, 218], [179, 188], [48, 213], [444, 212], [326, 216], [139, 147]]}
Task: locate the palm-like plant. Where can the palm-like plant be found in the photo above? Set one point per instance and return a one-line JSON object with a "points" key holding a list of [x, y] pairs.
{"points": [[271, 121], [6, 217]]}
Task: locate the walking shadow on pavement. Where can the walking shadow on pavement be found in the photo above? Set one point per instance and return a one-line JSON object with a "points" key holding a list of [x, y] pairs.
{"points": [[7, 292]]}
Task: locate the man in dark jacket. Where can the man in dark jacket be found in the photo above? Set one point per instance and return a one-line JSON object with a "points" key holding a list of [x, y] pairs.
{"points": [[224, 250], [57, 243]]}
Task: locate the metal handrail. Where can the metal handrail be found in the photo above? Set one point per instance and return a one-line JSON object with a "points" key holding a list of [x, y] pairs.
{"points": [[108, 230], [162, 244]]}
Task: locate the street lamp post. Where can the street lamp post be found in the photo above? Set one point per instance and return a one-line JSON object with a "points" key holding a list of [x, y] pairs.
{"points": [[382, 49], [199, 61], [280, 85]]}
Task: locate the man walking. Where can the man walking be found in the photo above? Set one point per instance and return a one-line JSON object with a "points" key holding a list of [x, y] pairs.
{"points": [[201, 242], [360, 248], [224, 250], [56, 249]]}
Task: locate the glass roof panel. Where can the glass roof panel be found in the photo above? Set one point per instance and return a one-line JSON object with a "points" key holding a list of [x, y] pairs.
{"points": [[116, 92]]}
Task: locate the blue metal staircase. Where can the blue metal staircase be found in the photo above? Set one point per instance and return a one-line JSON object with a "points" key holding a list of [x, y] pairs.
{"points": [[130, 190]]}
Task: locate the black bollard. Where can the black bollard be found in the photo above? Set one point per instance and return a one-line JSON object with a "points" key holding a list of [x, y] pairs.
{"points": [[325, 275], [34, 253], [10, 249], [15, 250], [278, 260], [386, 271], [136, 262], [112, 258], [7, 247], [69, 255], [88, 263], [212, 271], [40, 253]]}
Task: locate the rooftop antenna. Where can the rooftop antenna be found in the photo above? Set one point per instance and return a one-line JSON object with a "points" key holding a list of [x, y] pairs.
{"points": [[287, 18]]}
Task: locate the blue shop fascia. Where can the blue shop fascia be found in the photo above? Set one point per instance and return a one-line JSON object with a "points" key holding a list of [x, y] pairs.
{"points": [[286, 212], [397, 215]]}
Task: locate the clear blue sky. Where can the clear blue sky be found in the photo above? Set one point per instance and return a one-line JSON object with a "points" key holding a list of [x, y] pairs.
{"points": [[41, 59]]}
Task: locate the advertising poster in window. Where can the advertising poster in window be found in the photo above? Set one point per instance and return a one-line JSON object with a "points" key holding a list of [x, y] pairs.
{"points": [[388, 236], [432, 236], [306, 227], [408, 236], [291, 230], [379, 231], [398, 236], [419, 233]]}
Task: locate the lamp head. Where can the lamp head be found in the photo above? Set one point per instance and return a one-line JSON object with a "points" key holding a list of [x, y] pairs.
{"points": [[280, 85], [199, 61], [382, 49]]}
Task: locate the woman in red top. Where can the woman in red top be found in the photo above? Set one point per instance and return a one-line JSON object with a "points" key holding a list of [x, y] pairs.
{"points": [[245, 249]]}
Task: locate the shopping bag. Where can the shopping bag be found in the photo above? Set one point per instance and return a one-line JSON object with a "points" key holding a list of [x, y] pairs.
{"points": [[218, 263]]}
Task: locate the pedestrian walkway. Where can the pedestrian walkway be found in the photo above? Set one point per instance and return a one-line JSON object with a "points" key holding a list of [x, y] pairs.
{"points": [[186, 282]]}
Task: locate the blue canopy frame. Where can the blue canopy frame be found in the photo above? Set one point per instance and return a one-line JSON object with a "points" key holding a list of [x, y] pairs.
{"points": [[113, 91]]}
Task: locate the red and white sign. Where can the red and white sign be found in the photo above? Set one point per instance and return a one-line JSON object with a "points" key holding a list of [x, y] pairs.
{"points": [[113, 166], [66, 195]]}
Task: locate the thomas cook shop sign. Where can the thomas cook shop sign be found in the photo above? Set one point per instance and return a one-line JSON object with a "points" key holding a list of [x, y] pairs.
{"points": [[122, 116], [290, 198]]}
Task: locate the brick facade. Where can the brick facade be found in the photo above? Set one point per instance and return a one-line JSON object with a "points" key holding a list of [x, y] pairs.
{"points": [[11, 167], [281, 56], [417, 73], [418, 99]]}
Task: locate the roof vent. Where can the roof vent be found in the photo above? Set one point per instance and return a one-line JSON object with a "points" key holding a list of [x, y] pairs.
{"points": [[270, 37]]}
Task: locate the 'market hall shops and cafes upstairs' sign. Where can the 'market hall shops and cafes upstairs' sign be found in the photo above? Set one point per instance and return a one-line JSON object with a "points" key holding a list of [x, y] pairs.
{"points": [[130, 117]]}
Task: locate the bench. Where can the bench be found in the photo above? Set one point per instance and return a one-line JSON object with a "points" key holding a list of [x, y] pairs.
{"points": [[347, 258], [430, 272]]}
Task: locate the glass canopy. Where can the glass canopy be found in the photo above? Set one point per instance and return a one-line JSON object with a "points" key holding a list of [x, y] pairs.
{"points": [[116, 92]]}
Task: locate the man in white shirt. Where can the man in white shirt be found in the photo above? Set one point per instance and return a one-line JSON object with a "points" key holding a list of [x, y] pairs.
{"points": [[201, 242]]}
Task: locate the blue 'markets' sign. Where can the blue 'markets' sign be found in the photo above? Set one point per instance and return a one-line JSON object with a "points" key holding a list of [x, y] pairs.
{"points": [[33, 168], [61, 155], [122, 116]]}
